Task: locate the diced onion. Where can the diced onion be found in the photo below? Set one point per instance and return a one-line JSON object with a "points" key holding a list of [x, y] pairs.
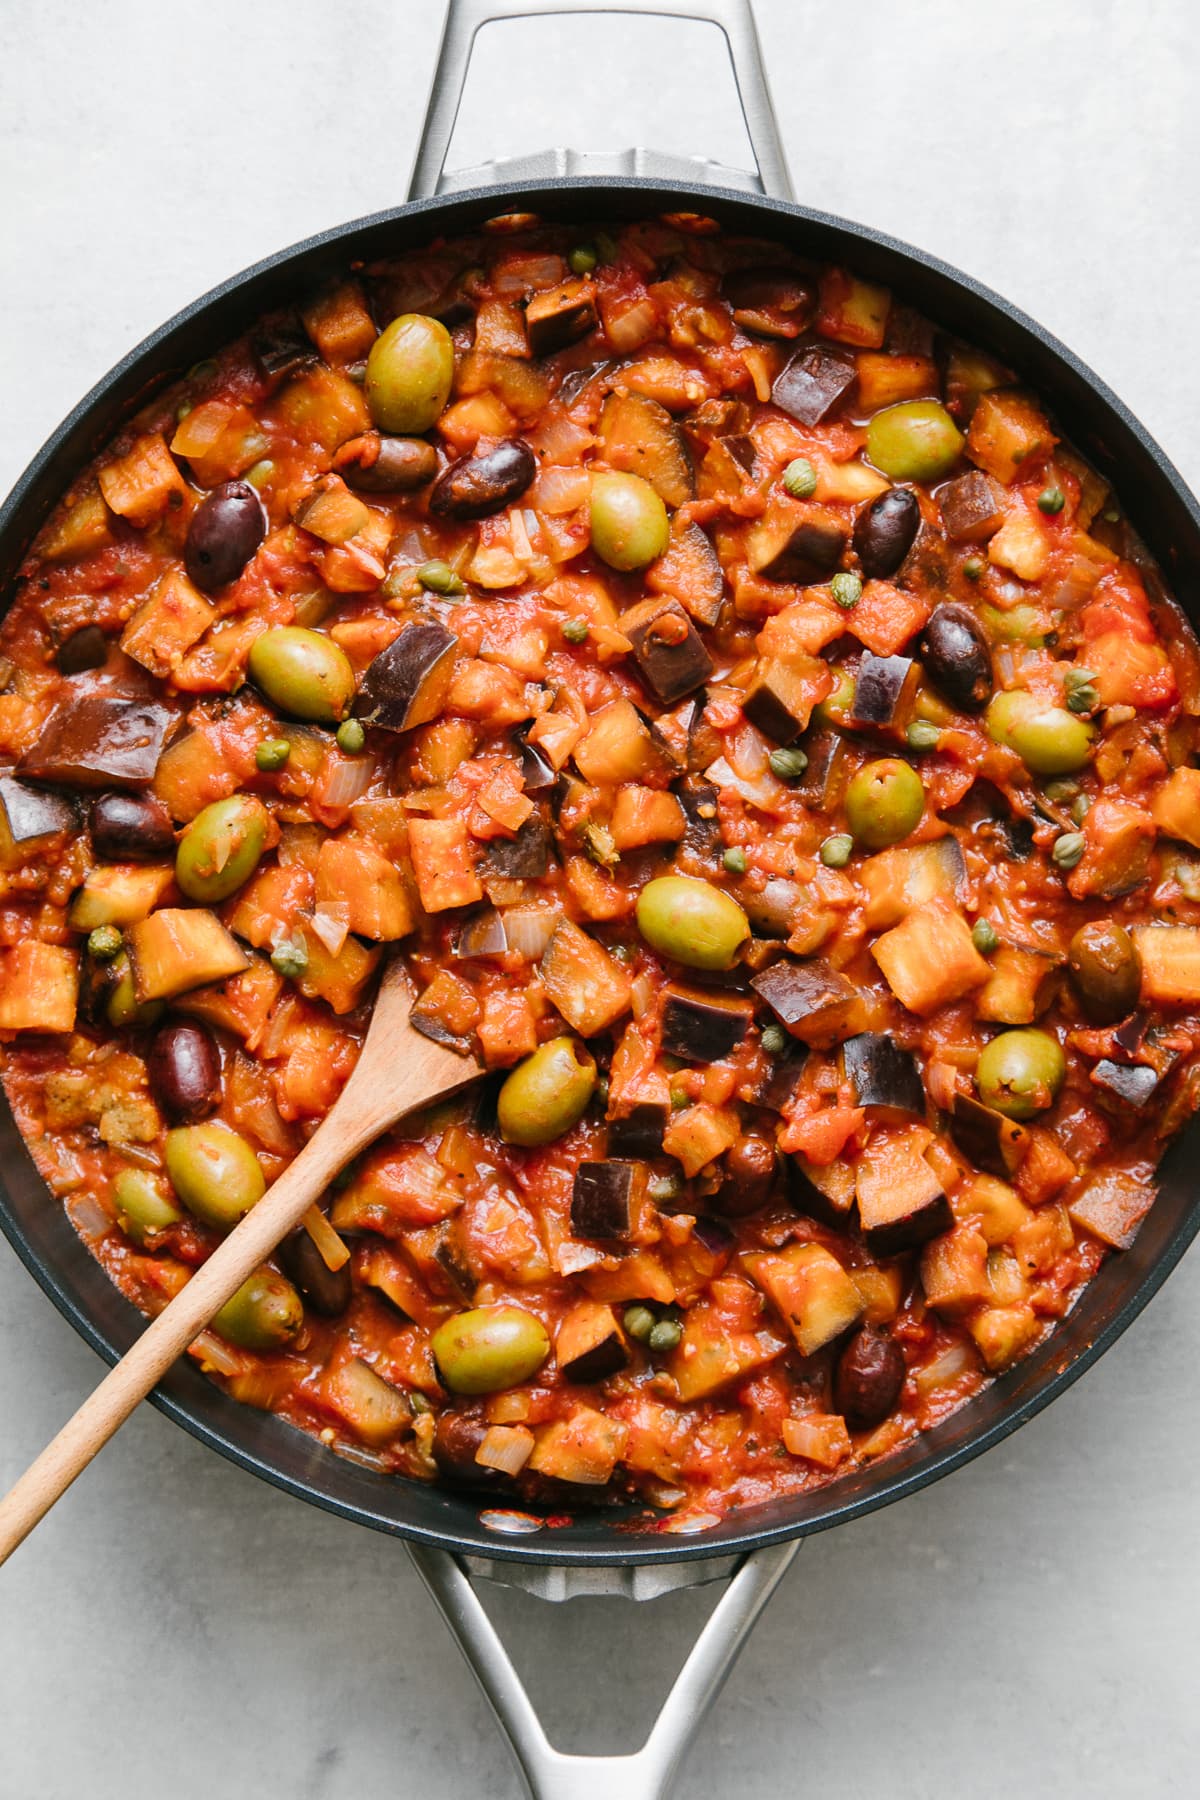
{"points": [[953, 1362], [89, 1217], [528, 929], [558, 491], [505, 1447], [331, 924], [763, 792], [330, 1247], [346, 780]]}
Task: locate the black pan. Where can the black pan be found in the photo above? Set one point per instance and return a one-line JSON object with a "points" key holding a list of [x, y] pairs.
{"points": [[1157, 502]]}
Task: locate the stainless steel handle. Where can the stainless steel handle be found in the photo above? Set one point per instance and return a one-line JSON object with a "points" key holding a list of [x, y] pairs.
{"points": [[735, 20], [646, 1774]]}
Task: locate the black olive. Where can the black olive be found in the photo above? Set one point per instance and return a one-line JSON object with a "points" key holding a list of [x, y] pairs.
{"points": [[225, 531], [184, 1066], [131, 828], [868, 1379], [957, 658], [327, 1291], [478, 485], [884, 531]]}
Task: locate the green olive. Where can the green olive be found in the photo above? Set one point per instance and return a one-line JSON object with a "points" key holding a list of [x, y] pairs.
{"points": [[836, 708], [491, 1348], [545, 1095], [1048, 739], [692, 922], [143, 1204], [221, 847], [214, 1172], [1020, 1073], [915, 441], [122, 1006], [304, 673], [1106, 970], [409, 373], [266, 1313], [629, 521], [884, 802]]}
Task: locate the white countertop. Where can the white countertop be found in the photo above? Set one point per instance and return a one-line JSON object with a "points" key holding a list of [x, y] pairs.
{"points": [[1028, 1626]]}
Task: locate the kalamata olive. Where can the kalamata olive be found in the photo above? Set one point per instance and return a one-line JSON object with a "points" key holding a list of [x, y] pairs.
{"points": [[386, 465], [957, 659], [225, 530], [476, 486], [143, 1204], [884, 531], [1048, 739], [326, 1290], [749, 1176], [692, 921], [1020, 1073], [215, 1172], [868, 1378], [266, 1313], [1106, 970], [85, 649], [456, 1438], [884, 802], [546, 1093], [221, 847], [410, 370], [489, 1348], [131, 828], [184, 1066]]}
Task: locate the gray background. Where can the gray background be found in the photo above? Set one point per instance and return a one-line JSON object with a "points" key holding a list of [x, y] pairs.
{"points": [[1028, 1626]]}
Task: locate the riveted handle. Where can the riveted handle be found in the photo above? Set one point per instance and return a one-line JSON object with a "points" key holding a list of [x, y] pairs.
{"points": [[734, 19], [646, 1774]]}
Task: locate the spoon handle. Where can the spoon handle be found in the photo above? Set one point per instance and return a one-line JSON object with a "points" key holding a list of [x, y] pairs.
{"points": [[166, 1337]]}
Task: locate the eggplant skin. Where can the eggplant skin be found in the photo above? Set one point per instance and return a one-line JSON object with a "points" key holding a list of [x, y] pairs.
{"points": [[884, 1077], [406, 683]]}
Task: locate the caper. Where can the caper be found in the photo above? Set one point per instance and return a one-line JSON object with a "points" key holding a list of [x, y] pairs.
{"points": [[884, 802], [639, 1322], [629, 521], [915, 441], [576, 631], [410, 370], [351, 737], [836, 851], [846, 591], [214, 1171], [1068, 849], [922, 734], [489, 1348], [272, 754], [104, 943], [304, 673], [787, 764], [1051, 499], [437, 577], [985, 937], [546, 1094], [800, 478], [665, 1336], [1020, 1073], [692, 921], [221, 848], [1105, 969], [266, 1313], [290, 958], [774, 1039], [734, 860], [582, 259], [143, 1204], [1048, 739]]}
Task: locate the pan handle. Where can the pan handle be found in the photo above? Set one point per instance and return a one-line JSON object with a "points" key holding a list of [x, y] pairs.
{"points": [[735, 20], [646, 1774]]}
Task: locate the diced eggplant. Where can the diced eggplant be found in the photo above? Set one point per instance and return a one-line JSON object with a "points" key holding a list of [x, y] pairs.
{"points": [[808, 549], [771, 302], [822, 1191], [900, 1214], [882, 689], [691, 570], [524, 857], [779, 1086], [482, 935], [883, 1076], [560, 316], [640, 1132], [282, 346], [639, 437], [603, 1197], [1134, 1083], [590, 1345], [667, 648], [702, 1026], [85, 649], [538, 773], [970, 507], [780, 700], [773, 910], [28, 818], [407, 684], [989, 1140], [431, 1027], [699, 802], [449, 1260], [814, 1002], [714, 1235], [812, 383], [100, 742]]}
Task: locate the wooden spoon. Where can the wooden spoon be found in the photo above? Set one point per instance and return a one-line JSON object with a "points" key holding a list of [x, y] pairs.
{"points": [[398, 1071]]}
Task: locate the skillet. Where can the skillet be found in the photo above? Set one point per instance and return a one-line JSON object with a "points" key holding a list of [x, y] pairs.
{"points": [[449, 1538]]}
